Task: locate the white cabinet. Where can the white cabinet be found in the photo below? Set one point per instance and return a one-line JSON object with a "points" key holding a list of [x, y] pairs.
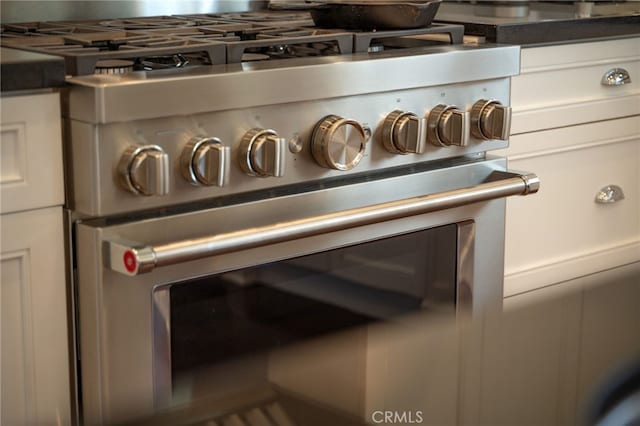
{"points": [[555, 350], [579, 136], [610, 333], [33, 296]]}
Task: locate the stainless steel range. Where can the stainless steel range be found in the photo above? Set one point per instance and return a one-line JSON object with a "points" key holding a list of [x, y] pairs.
{"points": [[301, 183]]}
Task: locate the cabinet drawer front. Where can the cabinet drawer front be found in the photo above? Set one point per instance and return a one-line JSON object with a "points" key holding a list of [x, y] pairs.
{"points": [[563, 223], [566, 88], [31, 141]]}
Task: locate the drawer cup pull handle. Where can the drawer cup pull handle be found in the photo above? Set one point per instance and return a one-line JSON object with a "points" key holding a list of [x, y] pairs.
{"points": [[616, 77], [609, 194]]}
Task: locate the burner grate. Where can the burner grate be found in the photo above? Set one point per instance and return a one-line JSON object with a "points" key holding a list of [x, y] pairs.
{"points": [[148, 23], [207, 39], [400, 39], [39, 29], [83, 51], [281, 43]]}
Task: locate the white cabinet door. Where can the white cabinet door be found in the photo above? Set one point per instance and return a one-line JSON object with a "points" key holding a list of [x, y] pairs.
{"points": [[555, 350], [35, 349], [610, 333]]}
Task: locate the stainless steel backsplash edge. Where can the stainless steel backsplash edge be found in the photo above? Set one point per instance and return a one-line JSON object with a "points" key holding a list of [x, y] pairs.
{"points": [[38, 10]]}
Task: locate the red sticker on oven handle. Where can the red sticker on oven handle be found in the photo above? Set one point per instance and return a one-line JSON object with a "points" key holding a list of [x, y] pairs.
{"points": [[130, 261]]}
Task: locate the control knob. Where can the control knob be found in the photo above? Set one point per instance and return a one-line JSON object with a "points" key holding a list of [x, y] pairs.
{"points": [[403, 133], [338, 143], [490, 120], [205, 161], [447, 125], [144, 170], [262, 153]]}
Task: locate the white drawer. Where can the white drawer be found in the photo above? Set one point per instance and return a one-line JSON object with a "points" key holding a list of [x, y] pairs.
{"points": [[31, 173], [561, 85], [561, 232]]}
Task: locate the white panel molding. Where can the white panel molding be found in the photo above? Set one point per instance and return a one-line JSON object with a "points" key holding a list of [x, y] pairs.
{"points": [[578, 64], [521, 110], [570, 267], [18, 387], [531, 119], [574, 147], [14, 162], [598, 52]]}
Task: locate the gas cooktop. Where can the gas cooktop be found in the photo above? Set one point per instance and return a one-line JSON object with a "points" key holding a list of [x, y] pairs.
{"points": [[122, 45]]}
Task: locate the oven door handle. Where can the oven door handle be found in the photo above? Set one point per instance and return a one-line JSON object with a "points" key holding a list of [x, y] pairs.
{"points": [[132, 258]]}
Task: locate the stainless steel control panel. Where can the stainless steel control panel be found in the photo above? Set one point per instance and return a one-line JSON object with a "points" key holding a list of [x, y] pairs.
{"points": [[211, 151]]}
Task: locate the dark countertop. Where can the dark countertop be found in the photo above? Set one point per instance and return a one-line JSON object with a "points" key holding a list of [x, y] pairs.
{"points": [[562, 22], [22, 70]]}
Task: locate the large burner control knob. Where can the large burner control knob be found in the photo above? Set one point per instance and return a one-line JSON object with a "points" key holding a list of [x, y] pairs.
{"points": [[490, 120], [403, 133], [338, 143], [447, 125], [205, 161], [262, 153], [144, 170]]}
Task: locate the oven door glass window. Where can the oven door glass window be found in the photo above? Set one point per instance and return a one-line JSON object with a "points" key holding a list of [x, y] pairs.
{"points": [[224, 320]]}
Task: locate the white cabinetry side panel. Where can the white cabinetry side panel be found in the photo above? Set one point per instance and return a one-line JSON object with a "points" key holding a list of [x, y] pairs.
{"points": [[561, 233], [31, 149], [34, 340]]}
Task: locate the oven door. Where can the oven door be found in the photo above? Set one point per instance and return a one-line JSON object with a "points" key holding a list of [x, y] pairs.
{"points": [[161, 297]]}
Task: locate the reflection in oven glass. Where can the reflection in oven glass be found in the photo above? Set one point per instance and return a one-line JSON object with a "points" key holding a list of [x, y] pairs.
{"points": [[221, 319]]}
